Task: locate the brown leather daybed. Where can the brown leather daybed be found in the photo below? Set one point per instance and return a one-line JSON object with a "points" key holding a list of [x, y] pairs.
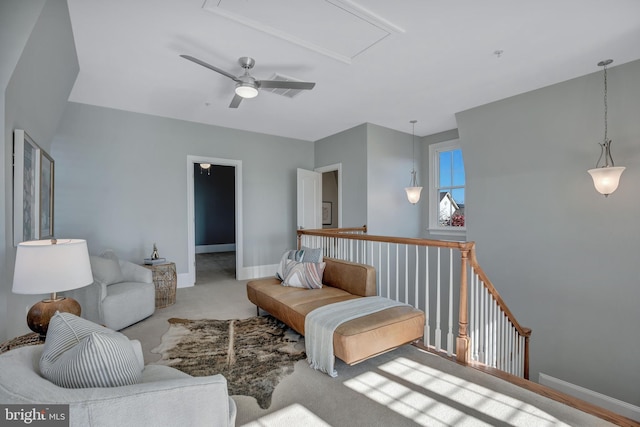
{"points": [[354, 340]]}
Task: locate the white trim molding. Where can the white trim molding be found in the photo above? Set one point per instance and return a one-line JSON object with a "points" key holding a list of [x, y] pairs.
{"points": [[191, 221]]}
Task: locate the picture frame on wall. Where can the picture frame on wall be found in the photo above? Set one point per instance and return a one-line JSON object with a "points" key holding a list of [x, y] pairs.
{"points": [[326, 213], [46, 195], [33, 183], [26, 187]]}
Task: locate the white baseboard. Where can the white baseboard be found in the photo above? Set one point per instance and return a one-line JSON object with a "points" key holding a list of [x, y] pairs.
{"points": [[255, 272], [246, 273], [618, 406], [184, 281], [206, 249]]}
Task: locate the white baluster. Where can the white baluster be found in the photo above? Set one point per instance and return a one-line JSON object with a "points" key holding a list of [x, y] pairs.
{"points": [[450, 328], [427, 310], [438, 331]]}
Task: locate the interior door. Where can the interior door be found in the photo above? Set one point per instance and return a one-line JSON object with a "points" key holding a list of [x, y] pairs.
{"points": [[309, 199]]}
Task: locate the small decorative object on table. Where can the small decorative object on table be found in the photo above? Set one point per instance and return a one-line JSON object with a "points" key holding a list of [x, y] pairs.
{"points": [[166, 280], [155, 257]]}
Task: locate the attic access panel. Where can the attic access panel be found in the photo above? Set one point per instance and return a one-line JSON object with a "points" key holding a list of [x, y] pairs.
{"points": [[352, 29]]}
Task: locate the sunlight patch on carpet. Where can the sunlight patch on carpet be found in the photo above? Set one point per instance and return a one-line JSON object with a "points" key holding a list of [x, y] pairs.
{"points": [[292, 415], [433, 398]]}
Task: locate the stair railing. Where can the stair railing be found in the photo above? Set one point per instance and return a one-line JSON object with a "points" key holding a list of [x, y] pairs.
{"points": [[465, 316]]}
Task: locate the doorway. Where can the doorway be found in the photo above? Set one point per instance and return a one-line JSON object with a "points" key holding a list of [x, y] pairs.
{"points": [[214, 209], [331, 195], [233, 171]]}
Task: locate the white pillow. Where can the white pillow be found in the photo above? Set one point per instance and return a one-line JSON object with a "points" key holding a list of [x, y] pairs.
{"points": [[81, 354], [303, 274], [106, 270]]}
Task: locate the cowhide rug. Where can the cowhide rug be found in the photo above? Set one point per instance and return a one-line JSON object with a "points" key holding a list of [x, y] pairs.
{"points": [[253, 354]]}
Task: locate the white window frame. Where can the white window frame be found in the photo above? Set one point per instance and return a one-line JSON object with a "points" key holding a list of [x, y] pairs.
{"points": [[434, 199]]}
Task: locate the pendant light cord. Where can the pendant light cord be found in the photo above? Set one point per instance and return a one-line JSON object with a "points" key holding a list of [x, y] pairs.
{"points": [[606, 109]]}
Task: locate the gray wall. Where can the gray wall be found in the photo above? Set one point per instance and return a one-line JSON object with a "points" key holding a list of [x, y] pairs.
{"points": [[348, 147], [39, 67], [389, 164], [122, 179], [563, 256]]}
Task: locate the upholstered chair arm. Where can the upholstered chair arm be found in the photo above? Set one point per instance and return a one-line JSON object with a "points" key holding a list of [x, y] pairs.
{"points": [[135, 273], [164, 398]]}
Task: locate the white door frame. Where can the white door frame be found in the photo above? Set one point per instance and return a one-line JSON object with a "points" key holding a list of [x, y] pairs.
{"points": [[191, 218], [331, 168]]}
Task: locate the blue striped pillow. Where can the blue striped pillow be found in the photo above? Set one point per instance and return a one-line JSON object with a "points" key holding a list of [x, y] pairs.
{"points": [[80, 354]]}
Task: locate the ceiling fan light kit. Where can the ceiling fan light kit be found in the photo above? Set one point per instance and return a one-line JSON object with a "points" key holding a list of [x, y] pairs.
{"points": [[246, 90], [246, 85]]}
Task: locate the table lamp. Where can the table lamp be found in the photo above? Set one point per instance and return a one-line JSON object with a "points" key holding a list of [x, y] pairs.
{"points": [[51, 266]]}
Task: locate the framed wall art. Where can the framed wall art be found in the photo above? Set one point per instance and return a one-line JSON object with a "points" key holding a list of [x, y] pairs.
{"points": [[326, 213], [46, 195], [33, 172]]}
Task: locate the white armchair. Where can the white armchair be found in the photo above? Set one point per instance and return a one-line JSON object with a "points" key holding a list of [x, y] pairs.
{"points": [[165, 397], [121, 294]]}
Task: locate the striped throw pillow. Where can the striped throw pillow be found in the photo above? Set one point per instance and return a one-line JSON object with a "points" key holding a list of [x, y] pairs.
{"points": [[287, 255], [303, 274], [80, 354]]}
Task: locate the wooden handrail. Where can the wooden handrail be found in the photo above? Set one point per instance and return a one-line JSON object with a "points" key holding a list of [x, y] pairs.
{"points": [[387, 239]]}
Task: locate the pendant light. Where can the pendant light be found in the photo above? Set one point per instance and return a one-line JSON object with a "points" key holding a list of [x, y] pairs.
{"points": [[606, 177], [413, 190], [205, 167]]}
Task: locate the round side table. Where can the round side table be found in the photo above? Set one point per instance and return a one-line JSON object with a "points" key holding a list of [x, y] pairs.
{"points": [[165, 280]]}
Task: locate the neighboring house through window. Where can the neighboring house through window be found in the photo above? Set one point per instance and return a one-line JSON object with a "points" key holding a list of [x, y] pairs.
{"points": [[446, 188]]}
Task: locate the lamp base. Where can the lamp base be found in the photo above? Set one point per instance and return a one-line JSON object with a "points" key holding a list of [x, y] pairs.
{"points": [[41, 313]]}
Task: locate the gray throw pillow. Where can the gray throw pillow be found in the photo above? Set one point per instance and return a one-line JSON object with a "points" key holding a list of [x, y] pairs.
{"points": [[312, 254]]}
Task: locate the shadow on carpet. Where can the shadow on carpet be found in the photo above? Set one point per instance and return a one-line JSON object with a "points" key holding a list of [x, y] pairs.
{"points": [[253, 354]]}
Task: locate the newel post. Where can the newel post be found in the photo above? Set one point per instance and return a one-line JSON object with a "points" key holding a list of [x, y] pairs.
{"points": [[462, 341]]}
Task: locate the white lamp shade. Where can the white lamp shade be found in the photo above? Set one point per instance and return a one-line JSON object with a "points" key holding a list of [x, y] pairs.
{"points": [[43, 267], [606, 179], [246, 91], [413, 194], [205, 165]]}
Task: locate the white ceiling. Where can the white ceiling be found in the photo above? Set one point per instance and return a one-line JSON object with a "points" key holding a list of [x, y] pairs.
{"points": [[377, 61]]}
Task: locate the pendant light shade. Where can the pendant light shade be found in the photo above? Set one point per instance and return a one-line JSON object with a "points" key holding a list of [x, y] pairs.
{"points": [[413, 190], [606, 177]]}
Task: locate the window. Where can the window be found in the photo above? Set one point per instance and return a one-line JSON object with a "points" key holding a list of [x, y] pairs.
{"points": [[446, 188]]}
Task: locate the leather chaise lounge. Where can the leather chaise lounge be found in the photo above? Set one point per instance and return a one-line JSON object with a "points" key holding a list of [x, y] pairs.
{"points": [[354, 340]]}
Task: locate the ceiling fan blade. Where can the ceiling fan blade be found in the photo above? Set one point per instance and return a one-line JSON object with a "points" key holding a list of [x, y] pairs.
{"points": [[282, 84], [211, 67], [235, 101]]}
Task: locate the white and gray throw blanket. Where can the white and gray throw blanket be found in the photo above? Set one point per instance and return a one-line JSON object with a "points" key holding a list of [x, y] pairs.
{"points": [[320, 324]]}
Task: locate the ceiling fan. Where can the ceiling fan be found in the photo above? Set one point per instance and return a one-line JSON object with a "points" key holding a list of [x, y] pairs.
{"points": [[246, 85]]}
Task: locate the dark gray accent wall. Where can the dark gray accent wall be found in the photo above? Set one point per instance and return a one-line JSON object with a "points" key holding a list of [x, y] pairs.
{"points": [[39, 67], [214, 205], [563, 256]]}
